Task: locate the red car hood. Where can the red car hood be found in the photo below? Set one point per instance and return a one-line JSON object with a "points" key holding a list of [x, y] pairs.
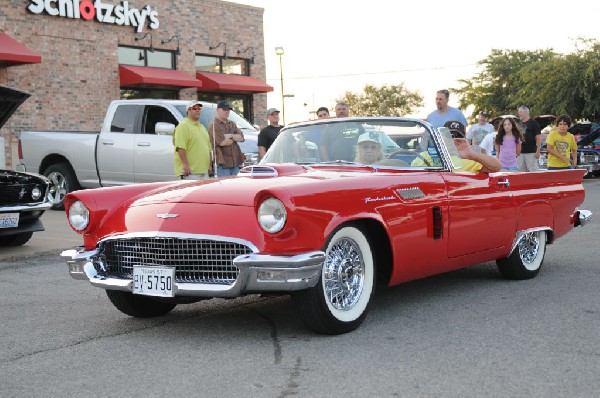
{"points": [[236, 191]]}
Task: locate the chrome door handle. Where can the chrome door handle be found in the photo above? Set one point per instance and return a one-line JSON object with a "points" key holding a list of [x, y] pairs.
{"points": [[143, 144], [108, 143], [505, 182]]}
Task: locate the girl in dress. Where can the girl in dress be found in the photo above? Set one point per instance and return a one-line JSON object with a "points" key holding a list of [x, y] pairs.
{"points": [[508, 144]]}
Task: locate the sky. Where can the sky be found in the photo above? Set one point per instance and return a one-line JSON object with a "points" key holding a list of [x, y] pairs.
{"points": [[331, 47]]}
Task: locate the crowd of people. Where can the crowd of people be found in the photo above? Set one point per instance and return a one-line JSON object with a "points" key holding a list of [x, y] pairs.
{"points": [[507, 145], [516, 145]]}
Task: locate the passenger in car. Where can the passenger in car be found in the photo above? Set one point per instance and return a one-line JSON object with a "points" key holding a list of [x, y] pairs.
{"points": [[471, 161], [368, 148]]}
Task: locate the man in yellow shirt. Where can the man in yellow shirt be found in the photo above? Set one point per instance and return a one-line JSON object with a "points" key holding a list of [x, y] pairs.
{"points": [[471, 161], [192, 145]]}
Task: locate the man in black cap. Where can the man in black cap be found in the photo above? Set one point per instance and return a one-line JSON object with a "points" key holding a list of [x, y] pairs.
{"points": [[269, 133], [224, 137], [478, 131]]}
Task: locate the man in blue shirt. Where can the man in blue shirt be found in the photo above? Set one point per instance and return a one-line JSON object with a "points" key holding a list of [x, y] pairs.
{"points": [[444, 113]]}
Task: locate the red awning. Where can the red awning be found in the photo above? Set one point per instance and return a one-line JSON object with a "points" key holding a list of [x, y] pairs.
{"points": [[231, 83], [143, 76], [14, 53]]}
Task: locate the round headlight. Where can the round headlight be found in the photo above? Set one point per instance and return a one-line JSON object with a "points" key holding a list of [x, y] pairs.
{"points": [[272, 215], [36, 193], [79, 216]]}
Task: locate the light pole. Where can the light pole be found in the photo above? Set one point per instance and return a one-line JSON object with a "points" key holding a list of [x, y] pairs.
{"points": [[279, 51]]}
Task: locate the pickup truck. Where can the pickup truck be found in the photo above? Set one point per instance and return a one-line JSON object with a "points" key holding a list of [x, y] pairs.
{"points": [[134, 145]]}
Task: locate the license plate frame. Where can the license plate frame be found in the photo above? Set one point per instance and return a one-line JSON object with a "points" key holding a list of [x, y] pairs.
{"points": [[9, 220], [154, 281]]}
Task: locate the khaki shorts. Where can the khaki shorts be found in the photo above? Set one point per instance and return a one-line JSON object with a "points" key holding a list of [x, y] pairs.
{"points": [[527, 162]]}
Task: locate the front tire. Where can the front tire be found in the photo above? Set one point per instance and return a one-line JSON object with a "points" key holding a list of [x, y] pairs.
{"points": [[138, 306], [527, 258], [62, 181], [340, 300]]}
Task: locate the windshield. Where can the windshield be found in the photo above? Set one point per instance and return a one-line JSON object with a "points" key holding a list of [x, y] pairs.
{"points": [[402, 143], [209, 113]]}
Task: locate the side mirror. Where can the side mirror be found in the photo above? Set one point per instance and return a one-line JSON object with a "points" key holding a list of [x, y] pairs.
{"points": [[163, 128]]}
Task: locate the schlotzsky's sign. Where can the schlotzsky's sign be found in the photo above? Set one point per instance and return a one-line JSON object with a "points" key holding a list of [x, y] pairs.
{"points": [[106, 13]]}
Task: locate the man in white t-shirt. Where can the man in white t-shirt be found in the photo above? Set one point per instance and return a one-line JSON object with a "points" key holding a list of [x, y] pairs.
{"points": [[478, 131], [487, 145]]}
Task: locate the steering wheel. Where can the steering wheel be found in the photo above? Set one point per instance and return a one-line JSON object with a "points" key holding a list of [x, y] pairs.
{"points": [[408, 152]]}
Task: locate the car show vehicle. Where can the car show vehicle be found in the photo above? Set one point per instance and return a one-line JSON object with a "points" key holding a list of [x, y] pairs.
{"points": [[325, 232], [134, 145], [23, 196]]}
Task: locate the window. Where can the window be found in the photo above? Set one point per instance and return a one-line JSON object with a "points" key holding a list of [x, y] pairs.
{"points": [[231, 66], [145, 57], [235, 66], [124, 119], [208, 64], [155, 114]]}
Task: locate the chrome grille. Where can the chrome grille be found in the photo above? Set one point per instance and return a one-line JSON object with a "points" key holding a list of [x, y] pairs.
{"points": [[195, 260]]}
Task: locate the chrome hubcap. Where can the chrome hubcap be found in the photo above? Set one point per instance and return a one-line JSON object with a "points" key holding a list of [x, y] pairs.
{"points": [[58, 187], [529, 247], [344, 274]]}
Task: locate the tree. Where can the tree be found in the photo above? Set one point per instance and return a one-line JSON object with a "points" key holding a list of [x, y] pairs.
{"points": [[547, 82], [387, 100], [496, 87]]}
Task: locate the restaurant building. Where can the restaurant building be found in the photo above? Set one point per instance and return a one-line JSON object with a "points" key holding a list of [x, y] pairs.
{"points": [[75, 56]]}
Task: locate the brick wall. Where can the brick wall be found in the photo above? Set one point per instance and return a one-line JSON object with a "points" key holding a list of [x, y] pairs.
{"points": [[78, 76]]}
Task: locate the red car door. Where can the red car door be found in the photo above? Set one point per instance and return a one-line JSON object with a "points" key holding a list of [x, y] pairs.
{"points": [[482, 213]]}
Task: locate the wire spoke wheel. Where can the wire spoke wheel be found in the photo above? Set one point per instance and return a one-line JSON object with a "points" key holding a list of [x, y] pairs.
{"points": [[527, 258], [340, 300], [344, 274]]}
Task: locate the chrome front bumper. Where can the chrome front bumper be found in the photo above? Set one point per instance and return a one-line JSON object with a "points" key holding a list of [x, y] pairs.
{"points": [[258, 273]]}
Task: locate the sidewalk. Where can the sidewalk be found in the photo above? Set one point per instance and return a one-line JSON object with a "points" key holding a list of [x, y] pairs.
{"points": [[57, 237]]}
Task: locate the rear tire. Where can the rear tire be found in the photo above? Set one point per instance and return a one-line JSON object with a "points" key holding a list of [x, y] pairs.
{"points": [[16, 240], [138, 306], [527, 258], [340, 300], [62, 181]]}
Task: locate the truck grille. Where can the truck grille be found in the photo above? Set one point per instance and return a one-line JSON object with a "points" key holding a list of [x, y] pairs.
{"points": [[195, 260]]}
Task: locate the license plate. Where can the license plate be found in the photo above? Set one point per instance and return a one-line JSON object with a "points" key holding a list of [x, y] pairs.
{"points": [[154, 281], [9, 220]]}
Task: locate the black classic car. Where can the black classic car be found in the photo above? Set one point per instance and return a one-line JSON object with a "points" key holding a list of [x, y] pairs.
{"points": [[23, 196]]}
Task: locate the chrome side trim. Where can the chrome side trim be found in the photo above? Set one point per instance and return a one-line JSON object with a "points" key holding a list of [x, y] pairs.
{"points": [[411, 193], [584, 217], [521, 234]]}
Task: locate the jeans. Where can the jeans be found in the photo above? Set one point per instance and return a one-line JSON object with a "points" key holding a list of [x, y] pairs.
{"points": [[227, 171]]}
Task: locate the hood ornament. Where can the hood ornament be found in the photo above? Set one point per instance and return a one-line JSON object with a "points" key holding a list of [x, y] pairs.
{"points": [[167, 215]]}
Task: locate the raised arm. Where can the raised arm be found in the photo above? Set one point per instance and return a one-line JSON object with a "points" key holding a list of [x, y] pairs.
{"points": [[489, 164]]}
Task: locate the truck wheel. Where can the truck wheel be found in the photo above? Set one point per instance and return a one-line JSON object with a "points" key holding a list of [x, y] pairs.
{"points": [[339, 302], [15, 240], [526, 260], [138, 306], [62, 181]]}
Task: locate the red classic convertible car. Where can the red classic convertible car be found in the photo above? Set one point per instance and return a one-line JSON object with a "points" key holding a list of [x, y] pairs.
{"points": [[328, 213]]}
